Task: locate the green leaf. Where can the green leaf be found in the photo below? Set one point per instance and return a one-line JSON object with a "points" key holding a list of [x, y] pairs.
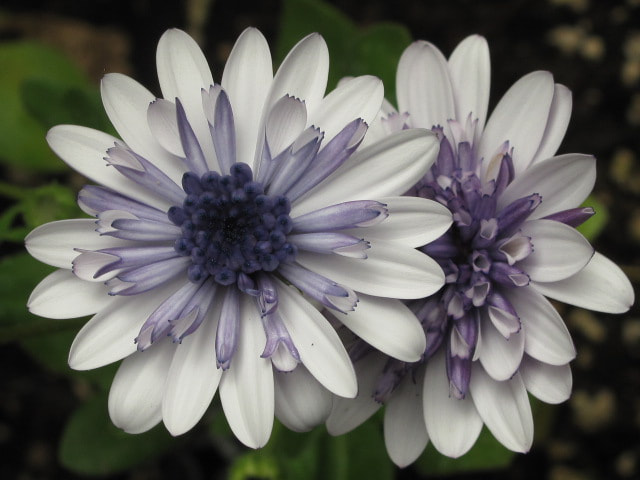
{"points": [[302, 17], [359, 454], [377, 51], [48, 203], [54, 103], [92, 445], [353, 51], [486, 454], [51, 350], [19, 274], [594, 226], [35, 207], [316, 455], [22, 143], [254, 465]]}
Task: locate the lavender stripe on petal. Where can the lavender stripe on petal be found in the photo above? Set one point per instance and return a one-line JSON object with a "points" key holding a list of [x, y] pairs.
{"points": [[276, 334], [158, 323], [330, 157], [359, 213], [330, 242], [142, 230], [223, 132], [268, 295], [325, 291], [194, 157], [574, 217], [511, 217], [194, 312], [508, 275], [127, 257], [145, 278], [460, 350], [144, 173], [433, 317], [295, 161], [94, 199], [228, 328], [506, 174], [502, 314], [389, 379]]}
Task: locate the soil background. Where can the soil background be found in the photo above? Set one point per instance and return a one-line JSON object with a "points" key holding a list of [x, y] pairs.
{"points": [[593, 47]]}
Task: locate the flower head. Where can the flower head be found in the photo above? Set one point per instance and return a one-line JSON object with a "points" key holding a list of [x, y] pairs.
{"points": [[222, 214], [491, 333]]}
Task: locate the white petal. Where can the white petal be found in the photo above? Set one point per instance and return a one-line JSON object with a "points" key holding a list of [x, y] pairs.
{"points": [[519, 118], [380, 127], [405, 434], [600, 286], [499, 356], [559, 251], [87, 264], [301, 402], [424, 87], [453, 425], [557, 124], [348, 413], [285, 123], [546, 336], [193, 377], [389, 167], [246, 389], [318, 344], [504, 408], [183, 72], [303, 73], [388, 271], [109, 336], [55, 243], [163, 123], [126, 103], [412, 221], [563, 182], [246, 79], [282, 359], [388, 325], [63, 295], [358, 97], [470, 71], [84, 149], [549, 383], [136, 392]]}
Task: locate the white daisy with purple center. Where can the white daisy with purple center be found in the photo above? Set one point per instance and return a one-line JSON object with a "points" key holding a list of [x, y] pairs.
{"points": [[226, 216], [492, 336]]}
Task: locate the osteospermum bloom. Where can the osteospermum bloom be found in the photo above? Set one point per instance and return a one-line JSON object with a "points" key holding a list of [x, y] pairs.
{"points": [[492, 336], [224, 214]]}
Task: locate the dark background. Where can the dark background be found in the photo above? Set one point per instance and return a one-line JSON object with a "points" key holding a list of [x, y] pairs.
{"points": [[593, 47]]}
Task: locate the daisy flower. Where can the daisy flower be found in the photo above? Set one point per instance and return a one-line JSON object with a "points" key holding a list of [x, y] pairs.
{"points": [[492, 336], [226, 214]]}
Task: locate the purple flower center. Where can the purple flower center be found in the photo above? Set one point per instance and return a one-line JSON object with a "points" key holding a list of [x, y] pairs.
{"points": [[479, 256], [230, 228]]}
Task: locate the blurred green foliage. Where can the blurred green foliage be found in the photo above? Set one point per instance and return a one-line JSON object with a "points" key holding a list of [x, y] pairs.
{"points": [[316, 455], [92, 445], [374, 50], [35, 82]]}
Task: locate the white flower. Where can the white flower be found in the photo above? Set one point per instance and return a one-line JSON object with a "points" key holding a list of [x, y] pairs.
{"points": [[492, 336], [221, 204]]}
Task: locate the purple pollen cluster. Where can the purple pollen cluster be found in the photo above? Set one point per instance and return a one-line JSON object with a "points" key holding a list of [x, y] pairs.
{"points": [[230, 228]]}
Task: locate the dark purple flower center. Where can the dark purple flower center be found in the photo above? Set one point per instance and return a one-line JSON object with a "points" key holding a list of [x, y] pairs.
{"points": [[479, 256], [230, 228]]}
